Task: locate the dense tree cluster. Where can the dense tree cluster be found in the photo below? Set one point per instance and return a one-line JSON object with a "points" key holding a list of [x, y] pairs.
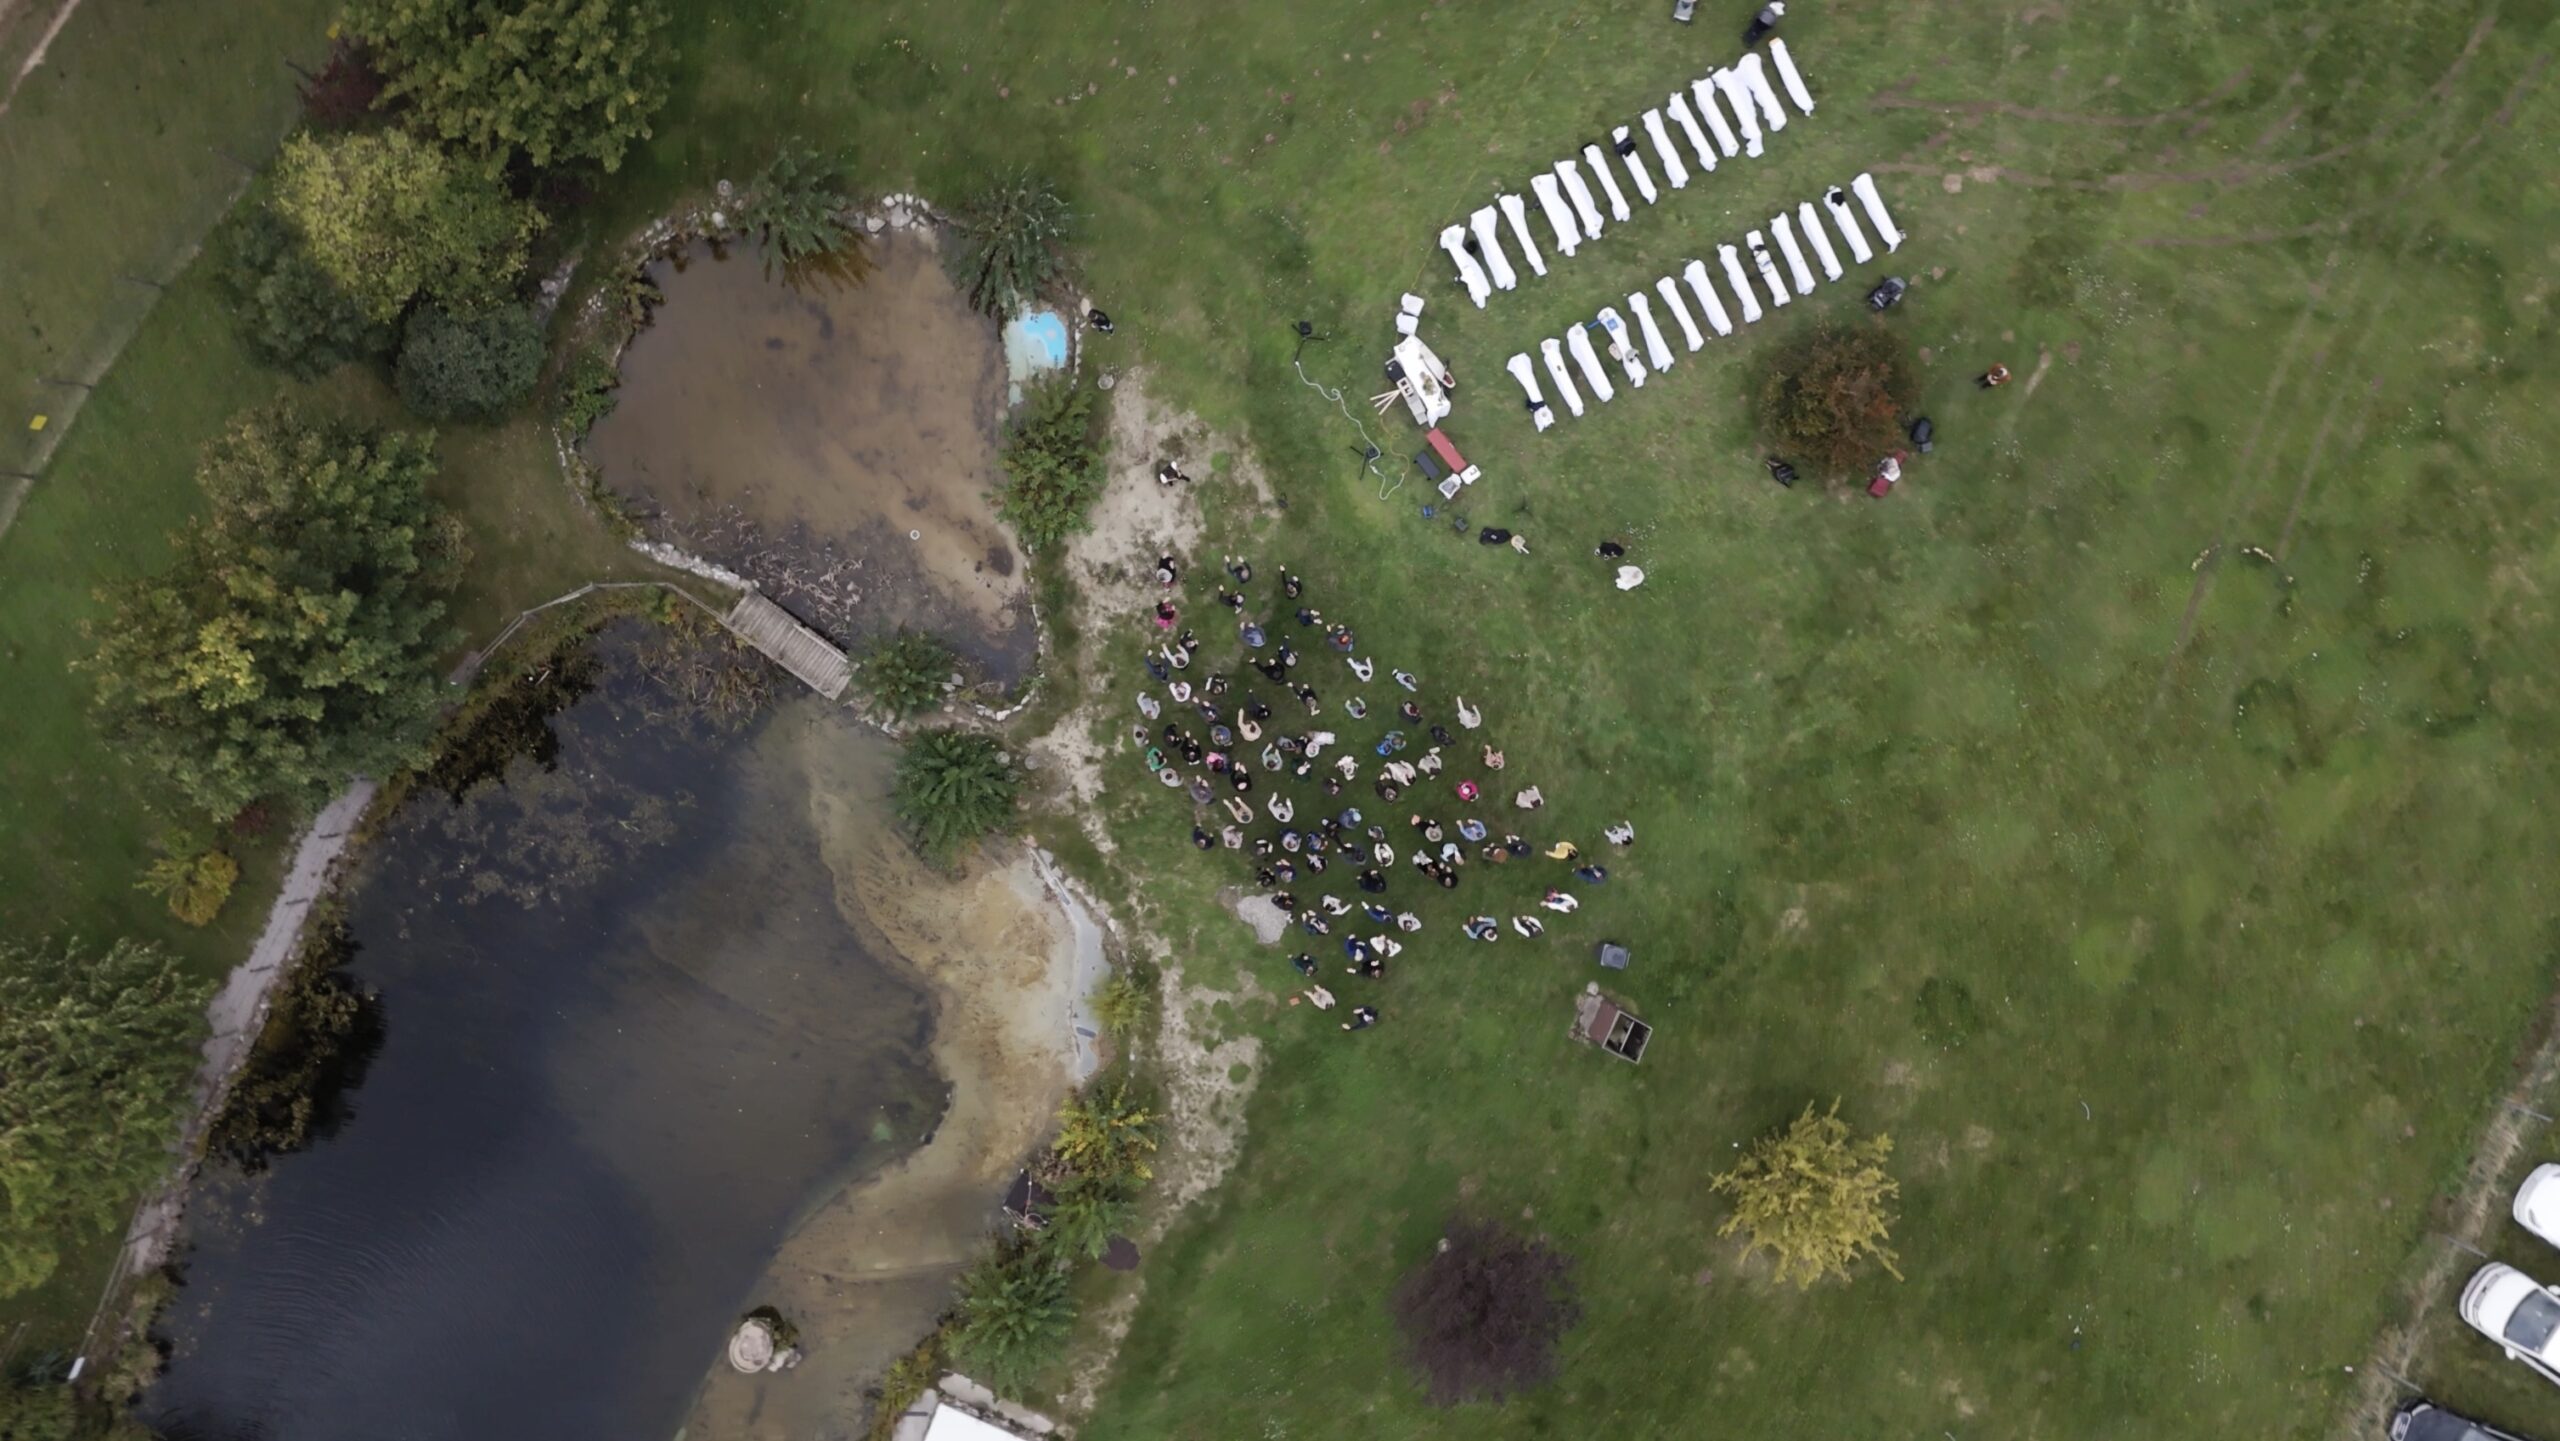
{"points": [[1837, 398], [1482, 1316], [550, 82]]}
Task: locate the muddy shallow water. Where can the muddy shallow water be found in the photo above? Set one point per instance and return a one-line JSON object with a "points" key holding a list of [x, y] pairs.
{"points": [[639, 1029], [833, 439]]}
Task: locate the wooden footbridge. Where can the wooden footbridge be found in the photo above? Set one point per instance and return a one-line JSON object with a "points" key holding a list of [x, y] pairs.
{"points": [[787, 643]]}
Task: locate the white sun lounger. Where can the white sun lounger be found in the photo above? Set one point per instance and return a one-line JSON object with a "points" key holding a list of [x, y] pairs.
{"points": [[1786, 233], [1470, 274], [1785, 65], [1559, 214], [1688, 123], [1754, 76], [1741, 283], [1836, 200], [1768, 268], [1585, 209], [1679, 309], [1622, 344], [1578, 340], [1516, 210], [1675, 174], [1811, 224], [1598, 160], [1709, 302], [1711, 114], [1865, 185], [1737, 98], [1553, 352], [1655, 350], [1540, 414], [1631, 156], [1485, 223]]}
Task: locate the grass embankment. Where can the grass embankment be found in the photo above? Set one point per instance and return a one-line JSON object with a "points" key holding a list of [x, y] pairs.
{"points": [[1971, 806], [109, 160]]}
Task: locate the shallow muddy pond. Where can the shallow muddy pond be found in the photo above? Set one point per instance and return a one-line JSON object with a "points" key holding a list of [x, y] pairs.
{"points": [[635, 1027], [831, 437]]}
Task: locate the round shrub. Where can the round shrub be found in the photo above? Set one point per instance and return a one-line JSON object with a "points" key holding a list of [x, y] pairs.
{"points": [[473, 366]]}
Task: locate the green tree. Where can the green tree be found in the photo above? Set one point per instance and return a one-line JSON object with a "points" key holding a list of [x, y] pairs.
{"points": [[196, 884], [1837, 396], [1814, 1197], [792, 207], [389, 218], [1052, 464], [1013, 1316], [292, 640], [904, 673], [471, 366], [1011, 243], [953, 787], [1083, 1215], [292, 314], [559, 82], [1107, 1133], [96, 1051], [1482, 1316]]}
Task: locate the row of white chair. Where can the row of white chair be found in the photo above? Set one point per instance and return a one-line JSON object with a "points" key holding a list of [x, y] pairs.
{"points": [[1573, 212], [1622, 343]]}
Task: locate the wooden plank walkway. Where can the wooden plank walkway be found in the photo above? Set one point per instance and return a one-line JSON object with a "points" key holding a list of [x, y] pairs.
{"points": [[793, 646]]}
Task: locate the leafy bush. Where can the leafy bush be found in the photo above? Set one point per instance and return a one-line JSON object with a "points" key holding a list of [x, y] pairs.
{"points": [[389, 218], [907, 1378], [1812, 1196], [319, 1037], [1083, 1215], [1052, 464], [560, 82], [196, 885], [904, 673], [952, 788], [1482, 1316], [792, 207], [1010, 236], [1106, 1134], [291, 313], [1127, 1002], [1836, 398], [1013, 1316], [97, 1050], [587, 386], [472, 366], [292, 640]]}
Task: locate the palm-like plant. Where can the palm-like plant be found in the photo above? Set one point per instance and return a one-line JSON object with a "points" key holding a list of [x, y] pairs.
{"points": [[952, 788], [1014, 1314], [1083, 1215], [904, 674], [1011, 238], [792, 207]]}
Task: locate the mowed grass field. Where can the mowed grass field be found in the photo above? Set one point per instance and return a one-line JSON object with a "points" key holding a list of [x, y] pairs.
{"points": [[2177, 911]]}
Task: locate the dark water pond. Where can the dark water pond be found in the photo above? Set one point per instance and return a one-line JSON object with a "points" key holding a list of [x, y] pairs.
{"points": [[628, 1038]]}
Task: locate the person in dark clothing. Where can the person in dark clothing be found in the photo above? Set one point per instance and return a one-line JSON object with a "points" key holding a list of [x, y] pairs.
{"points": [[1303, 964], [1611, 550], [1372, 882], [1781, 472], [1290, 585], [1098, 321], [1202, 840], [1373, 968], [1362, 1018], [1231, 599], [1592, 875], [1310, 616], [1493, 535], [1764, 22]]}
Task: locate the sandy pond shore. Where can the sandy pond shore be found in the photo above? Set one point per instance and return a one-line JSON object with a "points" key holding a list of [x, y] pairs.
{"points": [[1008, 960]]}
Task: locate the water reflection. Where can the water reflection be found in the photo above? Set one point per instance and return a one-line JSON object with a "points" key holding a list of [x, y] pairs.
{"points": [[630, 1038]]}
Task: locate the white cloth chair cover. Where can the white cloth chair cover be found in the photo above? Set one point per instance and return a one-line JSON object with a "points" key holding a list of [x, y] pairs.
{"points": [[1740, 282], [1768, 268], [1785, 65], [1578, 340], [1622, 344], [1655, 351], [1552, 351], [1808, 221], [1737, 98], [1516, 210], [1470, 274], [1486, 224], [1687, 120], [1836, 200], [1755, 80], [1711, 114], [1674, 174], [1633, 159], [1598, 160], [1709, 303], [1886, 231], [1679, 309], [1559, 214], [1585, 209], [1785, 231], [1540, 413]]}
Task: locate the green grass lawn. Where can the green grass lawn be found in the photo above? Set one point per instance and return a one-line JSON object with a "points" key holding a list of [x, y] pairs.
{"points": [[2172, 917]]}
